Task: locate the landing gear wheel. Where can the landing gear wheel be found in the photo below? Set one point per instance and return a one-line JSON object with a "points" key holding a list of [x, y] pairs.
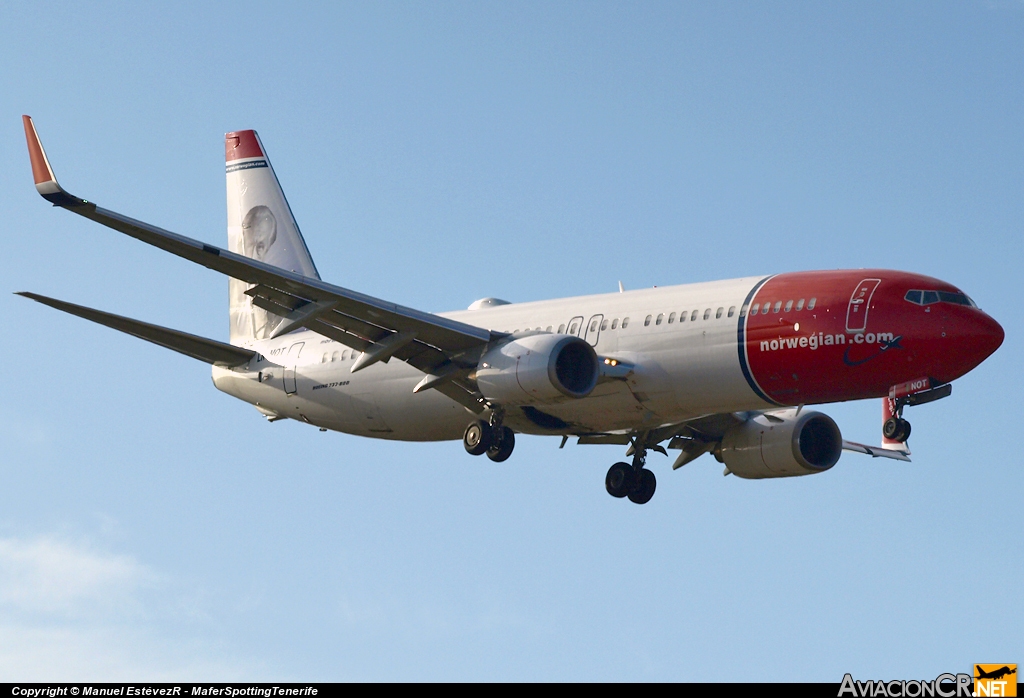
{"points": [[645, 487], [620, 480], [896, 429], [477, 438], [502, 446], [904, 431]]}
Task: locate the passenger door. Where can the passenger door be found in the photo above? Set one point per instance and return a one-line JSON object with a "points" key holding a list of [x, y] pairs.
{"points": [[593, 331], [860, 303], [575, 326], [290, 384]]}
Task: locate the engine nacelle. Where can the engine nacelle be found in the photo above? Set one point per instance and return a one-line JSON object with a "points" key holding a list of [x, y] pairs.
{"points": [[801, 444], [538, 369]]}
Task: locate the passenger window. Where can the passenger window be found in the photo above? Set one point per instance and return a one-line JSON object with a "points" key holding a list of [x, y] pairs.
{"points": [[647, 321], [324, 360], [810, 304], [548, 329], [789, 306], [743, 311], [682, 316], [625, 321], [661, 316], [561, 329], [572, 328], [732, 310], [718, 313], [615, 323], [334, 357], [800, 305], [693, 315], [344, 355], [778, 306], [604, 325], [671, 318], [754, 307], [707, 313], [593, 325], [766, 307]]}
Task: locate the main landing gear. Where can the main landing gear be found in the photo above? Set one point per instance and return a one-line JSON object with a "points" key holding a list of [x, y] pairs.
{"points": [[633, 481], [492, 438]]}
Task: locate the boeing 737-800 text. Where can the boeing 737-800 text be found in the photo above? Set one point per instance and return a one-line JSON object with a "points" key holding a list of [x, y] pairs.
{"points": [[724, 367]]}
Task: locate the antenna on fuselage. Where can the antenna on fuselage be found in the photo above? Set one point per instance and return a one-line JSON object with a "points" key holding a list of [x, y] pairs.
{"points": [[621, 290]]}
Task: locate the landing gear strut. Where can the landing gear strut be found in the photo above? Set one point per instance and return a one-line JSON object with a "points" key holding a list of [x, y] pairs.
{"points": [[491, 437], [633, 481]]}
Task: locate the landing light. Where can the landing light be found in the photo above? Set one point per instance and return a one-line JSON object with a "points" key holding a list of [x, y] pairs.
{"points": [[612, 362]]}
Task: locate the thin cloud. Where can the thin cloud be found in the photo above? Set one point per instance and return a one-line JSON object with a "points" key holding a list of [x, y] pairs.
{"points": [[57, 578], [70, 611]]}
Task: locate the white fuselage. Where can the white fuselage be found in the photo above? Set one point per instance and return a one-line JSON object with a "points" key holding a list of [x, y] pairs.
{"points": [[683, 369]]}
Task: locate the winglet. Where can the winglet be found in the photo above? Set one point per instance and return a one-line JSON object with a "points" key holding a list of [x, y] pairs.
{"points": [[42, 173]]}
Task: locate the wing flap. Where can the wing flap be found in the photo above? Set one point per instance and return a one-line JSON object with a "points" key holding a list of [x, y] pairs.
{"points": [[877, 451], [208, 350]]}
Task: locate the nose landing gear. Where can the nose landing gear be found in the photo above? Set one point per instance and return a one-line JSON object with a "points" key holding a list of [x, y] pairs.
{"points": [[916, 392], [896, 429], [633, 481]]}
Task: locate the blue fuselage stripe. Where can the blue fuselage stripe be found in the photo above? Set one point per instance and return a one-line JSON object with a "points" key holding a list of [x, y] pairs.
{"points": [[741, 342]]}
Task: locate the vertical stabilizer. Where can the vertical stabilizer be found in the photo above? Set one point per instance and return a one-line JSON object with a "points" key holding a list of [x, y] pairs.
{"points": [[260, 226]]}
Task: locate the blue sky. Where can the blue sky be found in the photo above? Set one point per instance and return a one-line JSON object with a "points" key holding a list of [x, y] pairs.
{"points": [[154, 528]]}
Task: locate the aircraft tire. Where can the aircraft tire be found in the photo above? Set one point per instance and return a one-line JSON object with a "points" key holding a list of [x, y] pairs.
{"points": [[646, 484], [891, 428], [501, 448], [620, 480], [904, 430], [477, 438]]}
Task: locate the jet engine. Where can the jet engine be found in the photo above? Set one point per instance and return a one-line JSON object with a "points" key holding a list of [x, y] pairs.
{"points": [[781, 444], [538, 369]]}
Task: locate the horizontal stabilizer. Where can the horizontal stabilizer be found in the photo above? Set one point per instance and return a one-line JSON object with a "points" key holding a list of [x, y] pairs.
{"points": [[208, 350], [878, 451]]}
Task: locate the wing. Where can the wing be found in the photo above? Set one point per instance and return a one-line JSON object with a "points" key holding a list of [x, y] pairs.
{"points": [[701, 435], [208, 350], [446, 350], [878, 451]]}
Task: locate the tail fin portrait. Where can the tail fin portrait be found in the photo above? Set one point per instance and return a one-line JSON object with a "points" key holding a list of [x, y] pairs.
{"points": [[260, 226]]}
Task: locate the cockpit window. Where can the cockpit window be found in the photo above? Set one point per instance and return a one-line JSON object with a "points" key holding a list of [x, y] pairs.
{"points": [[929, 297], [958, 298]]}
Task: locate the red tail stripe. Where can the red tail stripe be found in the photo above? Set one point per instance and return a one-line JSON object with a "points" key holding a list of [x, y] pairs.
{"points": [[239, 145]]}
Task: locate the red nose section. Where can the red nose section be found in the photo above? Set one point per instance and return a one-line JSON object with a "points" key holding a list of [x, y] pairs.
{"points": [[813, 337], [983, 335]]}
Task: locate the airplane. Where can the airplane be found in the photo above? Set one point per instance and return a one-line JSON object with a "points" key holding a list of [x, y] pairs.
{"points": [[995, 674], [723, 367]]}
